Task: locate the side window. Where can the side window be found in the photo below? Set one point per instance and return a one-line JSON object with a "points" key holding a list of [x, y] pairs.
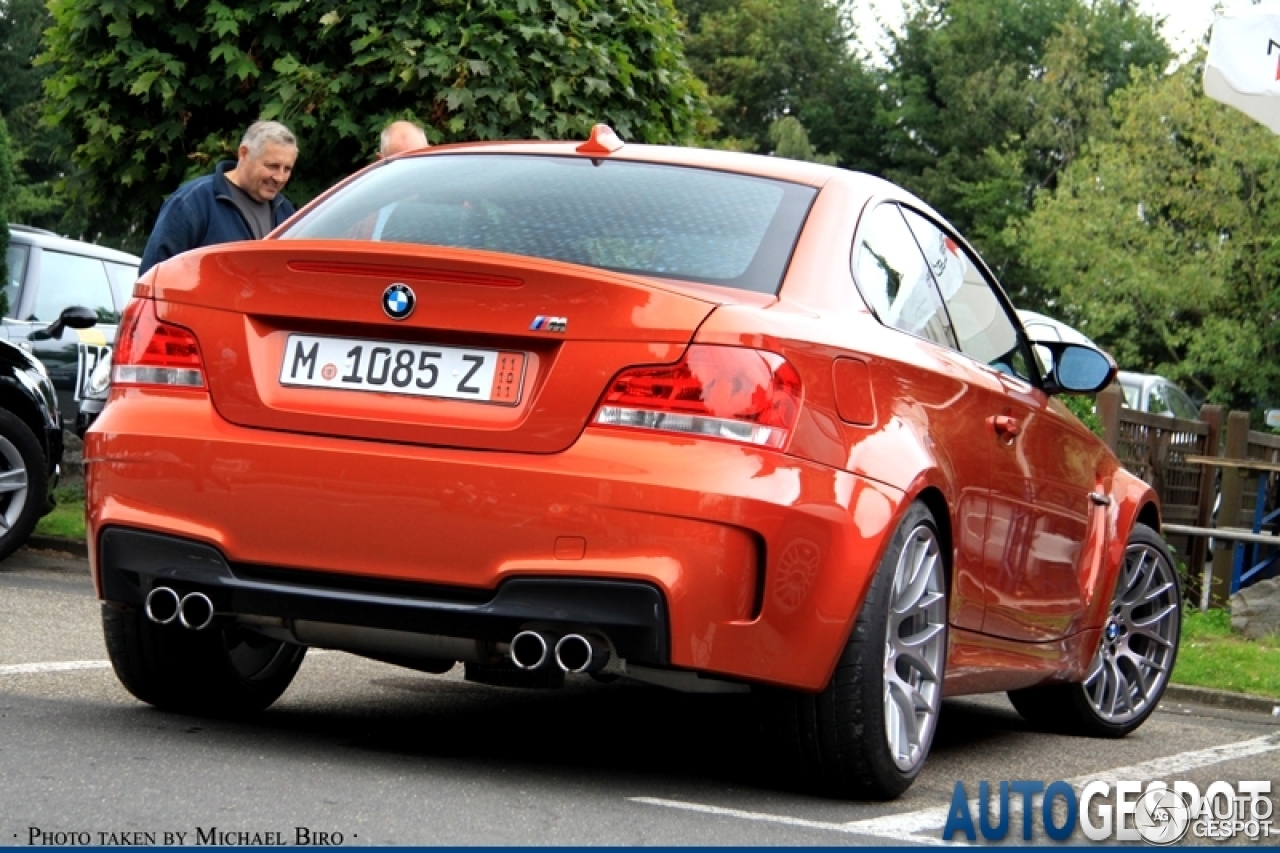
{"points": [[123, 277], [73, 280], [983, 328], [893, 278], [1131, 394], [1181, 405], [15, 260], [1156, 404]]}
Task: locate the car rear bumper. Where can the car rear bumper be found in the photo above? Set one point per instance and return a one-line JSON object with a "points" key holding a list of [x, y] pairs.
{"points": [[632, 615], [754, 562]]}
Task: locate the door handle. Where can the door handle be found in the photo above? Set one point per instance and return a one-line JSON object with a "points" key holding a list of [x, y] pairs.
{"points": [[1005, 426]]}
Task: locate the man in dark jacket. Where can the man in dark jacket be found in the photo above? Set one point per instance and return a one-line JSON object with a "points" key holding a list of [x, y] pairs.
{"points": [[241, 200]]}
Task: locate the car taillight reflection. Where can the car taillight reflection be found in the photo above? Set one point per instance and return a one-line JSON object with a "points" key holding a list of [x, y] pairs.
{"points": [[729, 393], [150, 352]]}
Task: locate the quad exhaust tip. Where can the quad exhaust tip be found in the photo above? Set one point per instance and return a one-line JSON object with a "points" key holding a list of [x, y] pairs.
{"points": [[193, 610], [581, 653], [532, 650]]}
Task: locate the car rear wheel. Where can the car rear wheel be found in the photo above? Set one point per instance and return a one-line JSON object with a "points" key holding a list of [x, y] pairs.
{"points": [[24, 482], [220, 671], [868, 733], [1139, 647]]}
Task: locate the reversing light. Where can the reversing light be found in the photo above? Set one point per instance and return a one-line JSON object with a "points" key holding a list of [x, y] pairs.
{"points": [[151, 352], [730, 393]]}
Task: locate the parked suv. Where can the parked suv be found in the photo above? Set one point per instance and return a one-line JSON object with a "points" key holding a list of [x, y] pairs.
{"points": [[48, 274]]}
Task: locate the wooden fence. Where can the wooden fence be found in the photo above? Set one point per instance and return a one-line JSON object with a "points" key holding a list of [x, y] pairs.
{"points": [[1156, 447]]}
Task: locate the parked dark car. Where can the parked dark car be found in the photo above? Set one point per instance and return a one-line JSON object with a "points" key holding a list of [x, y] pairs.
{"points": [[46, 275], [30, 445]]}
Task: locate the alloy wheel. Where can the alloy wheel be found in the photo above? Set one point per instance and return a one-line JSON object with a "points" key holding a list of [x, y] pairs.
{"points": [[1139, 639], [915, 649], [14, 484]]}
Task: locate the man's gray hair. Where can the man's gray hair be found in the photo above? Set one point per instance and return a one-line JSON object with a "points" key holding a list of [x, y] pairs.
{"points": [[262, 132]]}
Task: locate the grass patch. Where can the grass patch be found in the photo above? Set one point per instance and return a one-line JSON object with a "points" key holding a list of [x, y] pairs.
{"points": [[1211, 656], [67, 518]]}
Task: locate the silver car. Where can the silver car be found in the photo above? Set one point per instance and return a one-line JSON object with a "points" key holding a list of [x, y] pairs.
{"points": [[1148, 392]]}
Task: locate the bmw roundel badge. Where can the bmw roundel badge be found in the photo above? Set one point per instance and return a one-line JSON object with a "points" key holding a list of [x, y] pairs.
{"points": [[398, 301]]}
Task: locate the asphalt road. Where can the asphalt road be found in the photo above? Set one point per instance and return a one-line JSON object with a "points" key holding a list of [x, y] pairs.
{"points": [[371, 754]]}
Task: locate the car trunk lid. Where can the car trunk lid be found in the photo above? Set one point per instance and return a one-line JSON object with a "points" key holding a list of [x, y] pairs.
{"points": [[499, 352]]}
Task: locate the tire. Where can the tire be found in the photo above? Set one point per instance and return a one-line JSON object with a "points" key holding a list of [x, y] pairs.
{"points": [[867, 734], [1139, 648], [221, 672], [24, 482]]}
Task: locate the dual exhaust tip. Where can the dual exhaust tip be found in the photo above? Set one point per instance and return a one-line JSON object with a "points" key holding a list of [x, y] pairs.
{"points": [[532, 650], [193, 610]]}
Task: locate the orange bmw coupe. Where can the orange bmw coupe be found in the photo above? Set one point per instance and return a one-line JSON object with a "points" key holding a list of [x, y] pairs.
{"points": [[708, 420]]}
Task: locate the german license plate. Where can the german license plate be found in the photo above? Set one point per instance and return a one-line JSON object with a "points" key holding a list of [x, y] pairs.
{"points": [[394, 367]]}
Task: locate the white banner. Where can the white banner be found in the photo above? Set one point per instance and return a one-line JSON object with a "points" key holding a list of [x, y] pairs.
{"points": [[1243, 68]]}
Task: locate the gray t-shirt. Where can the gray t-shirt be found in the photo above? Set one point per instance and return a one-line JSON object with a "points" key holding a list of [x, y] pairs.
{"points": [[256, 213]]}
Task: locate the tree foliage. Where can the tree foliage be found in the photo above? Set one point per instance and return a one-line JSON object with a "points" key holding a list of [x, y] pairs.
{"points": [[766, 60], [36, 161], [991, 99], [21, 22], [1161, 241], [790, 140], [152, 92]]}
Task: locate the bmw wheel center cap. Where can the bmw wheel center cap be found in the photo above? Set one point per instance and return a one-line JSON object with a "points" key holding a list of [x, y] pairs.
{"points": [[398, 301]]}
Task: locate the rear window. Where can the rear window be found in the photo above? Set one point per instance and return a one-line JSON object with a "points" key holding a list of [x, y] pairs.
{"points": [[668, 221]]}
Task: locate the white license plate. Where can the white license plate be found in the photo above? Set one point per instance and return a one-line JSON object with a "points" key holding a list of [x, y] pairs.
{"points": [[393, 367]]}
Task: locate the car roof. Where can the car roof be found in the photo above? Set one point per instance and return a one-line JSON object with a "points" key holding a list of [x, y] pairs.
{"points": [[764, 166], [29, 236], [1140, 379]]}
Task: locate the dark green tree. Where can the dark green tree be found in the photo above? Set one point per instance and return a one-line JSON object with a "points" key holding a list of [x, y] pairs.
{"points": [[766, 60], [37, 163], [991, 99], [21, 22], [790, 140], [152, 93]]}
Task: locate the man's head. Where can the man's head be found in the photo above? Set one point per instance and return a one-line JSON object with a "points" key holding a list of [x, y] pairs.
{"points": [[267, 154], [401, 136]]}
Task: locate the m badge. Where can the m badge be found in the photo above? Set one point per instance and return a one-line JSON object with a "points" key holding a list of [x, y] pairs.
{"points": [[549, 324]]}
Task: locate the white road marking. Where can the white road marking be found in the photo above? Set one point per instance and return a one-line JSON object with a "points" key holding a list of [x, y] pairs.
{"points": [[854, 827], [899, 827], [71, 665], [907, 826], [53, 666]]}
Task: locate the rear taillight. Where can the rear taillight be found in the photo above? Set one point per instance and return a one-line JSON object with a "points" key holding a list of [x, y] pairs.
{"points": [[150, 352], [731, 393]]}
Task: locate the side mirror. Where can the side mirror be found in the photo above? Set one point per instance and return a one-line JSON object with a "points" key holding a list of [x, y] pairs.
{"points": [[1077, 369], [72, 317]]}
